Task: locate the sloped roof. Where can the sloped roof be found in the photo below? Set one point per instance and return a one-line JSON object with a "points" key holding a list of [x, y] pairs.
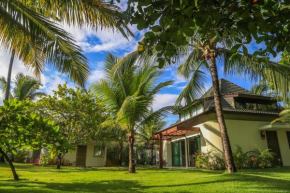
{"points": [[226, 88]]}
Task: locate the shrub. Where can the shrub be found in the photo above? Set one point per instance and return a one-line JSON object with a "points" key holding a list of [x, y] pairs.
{"points": [[265, 158], [209, 160], [241, 158], [253, 159]]}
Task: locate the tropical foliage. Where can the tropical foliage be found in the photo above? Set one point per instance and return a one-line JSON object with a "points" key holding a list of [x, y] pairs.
{"points": [[209, 32], [22, 127], [29, 30], [77, 112], [128, 91], [25, 87], [147, 130], [245, 21]]}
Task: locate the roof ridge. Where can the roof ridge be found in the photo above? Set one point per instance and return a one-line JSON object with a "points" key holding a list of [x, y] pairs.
{"points": [[226, 87]]}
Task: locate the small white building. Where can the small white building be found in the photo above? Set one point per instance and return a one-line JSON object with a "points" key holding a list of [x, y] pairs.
{"points": [[89, 155]]}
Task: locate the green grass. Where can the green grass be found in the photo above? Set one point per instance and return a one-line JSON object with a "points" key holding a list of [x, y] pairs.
{"points": [[113, 179]]}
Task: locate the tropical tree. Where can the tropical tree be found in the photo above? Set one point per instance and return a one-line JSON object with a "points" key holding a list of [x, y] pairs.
{"points": [[78, 113], [26, 87], [214, 21], [128, 90], [147, 130], [284, 116], [199, 60], [29, 31], [22, 127]]}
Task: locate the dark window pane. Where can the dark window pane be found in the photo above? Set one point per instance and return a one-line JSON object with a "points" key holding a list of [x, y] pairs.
{"points": [[288, 136], [240, 105]]}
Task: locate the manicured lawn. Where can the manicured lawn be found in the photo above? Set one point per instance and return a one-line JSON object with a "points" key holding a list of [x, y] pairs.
{"points": [[71, 179]]}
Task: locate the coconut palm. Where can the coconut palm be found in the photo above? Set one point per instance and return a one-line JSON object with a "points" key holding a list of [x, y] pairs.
{"points": [[129, 93], [28, 30], [261, 89], [26, 87], [202, 57], [284, 116], [146, 131]]}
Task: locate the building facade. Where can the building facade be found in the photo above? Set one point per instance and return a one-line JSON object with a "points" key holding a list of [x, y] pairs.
{"points": [[248, 119]]}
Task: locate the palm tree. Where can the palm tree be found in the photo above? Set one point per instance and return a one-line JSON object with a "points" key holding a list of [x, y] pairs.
{"points": [[146, 131], [261, 89], [26, 87], [201, 58], [128, 90], [29, 31]]}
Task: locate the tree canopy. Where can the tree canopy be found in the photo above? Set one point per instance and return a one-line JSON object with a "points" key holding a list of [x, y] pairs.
{"points": [[77, 112], [22, 127], [171, 23]]}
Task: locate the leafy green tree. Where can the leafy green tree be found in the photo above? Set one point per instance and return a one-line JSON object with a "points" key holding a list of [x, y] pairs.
{"points": [[78, 113], [26, 87], [29, 31], [128, 91], [216, 23], [21, 127]]}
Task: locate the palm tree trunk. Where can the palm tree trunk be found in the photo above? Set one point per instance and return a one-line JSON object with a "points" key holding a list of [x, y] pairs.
{"points": [[131, 154], [231, 168], [120, 153], [152, 147], [7, 92], [16, 177]]}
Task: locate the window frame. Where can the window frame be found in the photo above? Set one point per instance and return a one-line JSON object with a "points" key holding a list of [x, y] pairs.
{"points": [[102, 151]]}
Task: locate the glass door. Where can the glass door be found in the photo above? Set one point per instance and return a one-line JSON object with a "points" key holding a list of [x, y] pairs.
{"points": [[176, 153]]}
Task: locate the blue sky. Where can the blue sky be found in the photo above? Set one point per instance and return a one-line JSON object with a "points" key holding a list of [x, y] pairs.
{"points": [[96, 45]]}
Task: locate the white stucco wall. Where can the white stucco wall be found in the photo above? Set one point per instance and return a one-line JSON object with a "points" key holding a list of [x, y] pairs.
{"points": [[244, 133], [95, 161], [90, 159]]}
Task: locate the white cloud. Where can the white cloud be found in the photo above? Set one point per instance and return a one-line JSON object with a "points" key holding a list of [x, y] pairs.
{"points": [[103, 40], [163, 100]]}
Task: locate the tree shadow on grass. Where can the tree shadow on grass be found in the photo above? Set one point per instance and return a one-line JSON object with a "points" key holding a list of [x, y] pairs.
{"points": [[242, 183], [97, 186]]}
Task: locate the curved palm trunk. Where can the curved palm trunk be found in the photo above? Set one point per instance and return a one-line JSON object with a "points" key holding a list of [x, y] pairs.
{"points": [[16, 177], [231, 168], [131, 154], [7, 92]]}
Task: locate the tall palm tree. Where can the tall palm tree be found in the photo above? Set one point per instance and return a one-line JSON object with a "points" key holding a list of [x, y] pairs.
{"points": [[202, 57], [128, 90], [26, 87], [146, 131], [28, 30]]}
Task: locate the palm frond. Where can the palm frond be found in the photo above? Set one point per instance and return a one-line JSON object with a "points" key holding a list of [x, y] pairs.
{"points": [[37, 40]]}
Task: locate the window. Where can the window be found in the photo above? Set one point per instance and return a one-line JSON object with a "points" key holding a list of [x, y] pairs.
{"points": [[240, 105], [99, 151], [288, 136]]}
